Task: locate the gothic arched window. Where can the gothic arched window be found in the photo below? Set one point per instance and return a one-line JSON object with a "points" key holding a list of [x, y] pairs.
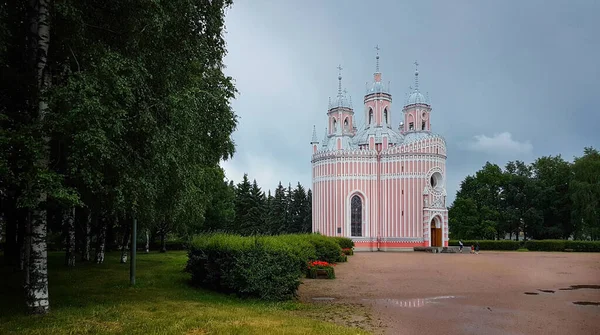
{"points": [[334, 125], [356, 216], [370, 116], [385, 116], [346, 125]]}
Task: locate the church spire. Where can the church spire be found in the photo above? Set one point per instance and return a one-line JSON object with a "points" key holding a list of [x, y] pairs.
{"points": [[377, 59], [416, 75], [339, 80]]}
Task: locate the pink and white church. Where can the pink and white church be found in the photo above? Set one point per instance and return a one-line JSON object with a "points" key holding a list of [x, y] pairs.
{"points": [[382, 187]]}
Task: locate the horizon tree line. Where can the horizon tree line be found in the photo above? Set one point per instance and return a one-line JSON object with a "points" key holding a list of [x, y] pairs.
{"points": [[550, 198]]}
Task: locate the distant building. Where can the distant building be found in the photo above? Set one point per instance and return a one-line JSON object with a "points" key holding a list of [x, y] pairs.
{"points": [[382, 187]]}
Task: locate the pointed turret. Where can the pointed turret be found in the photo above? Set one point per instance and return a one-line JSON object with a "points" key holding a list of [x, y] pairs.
{"points": [[315, 141], [416, 109]]}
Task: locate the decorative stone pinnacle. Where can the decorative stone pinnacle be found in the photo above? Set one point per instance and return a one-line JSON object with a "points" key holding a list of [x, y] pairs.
{"points": [[314, 140]]}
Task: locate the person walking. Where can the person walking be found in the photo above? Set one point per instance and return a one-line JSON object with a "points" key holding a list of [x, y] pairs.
{"points": [[460, 246], [476, 248]]}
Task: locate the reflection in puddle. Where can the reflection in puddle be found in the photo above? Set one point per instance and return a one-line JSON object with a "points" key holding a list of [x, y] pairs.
{"points": [[587, 303], [411, 303], [577, 287]]}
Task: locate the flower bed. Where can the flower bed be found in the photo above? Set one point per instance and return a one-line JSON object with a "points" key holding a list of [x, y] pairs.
{"points": [[317, 269], [348, 251]]}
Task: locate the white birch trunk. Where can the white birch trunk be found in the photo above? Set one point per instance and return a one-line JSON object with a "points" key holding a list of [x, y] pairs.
{"points": [[69, 225], [147, 241], [36, 274], [101, 242], [125, 246], [36, 267], [87, 239]]}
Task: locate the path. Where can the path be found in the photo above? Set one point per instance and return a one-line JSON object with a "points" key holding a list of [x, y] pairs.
{"points": [[420, 292]]}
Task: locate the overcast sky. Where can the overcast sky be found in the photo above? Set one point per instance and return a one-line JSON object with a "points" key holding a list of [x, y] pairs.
{"points": [[507, 79]]}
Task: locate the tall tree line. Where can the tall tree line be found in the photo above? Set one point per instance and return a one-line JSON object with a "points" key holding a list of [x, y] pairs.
{"points": [[246, 209], [110, 111], [548, 199]]}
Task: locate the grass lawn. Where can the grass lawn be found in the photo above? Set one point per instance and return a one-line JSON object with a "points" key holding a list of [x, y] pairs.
{"points": [[92, 299]]}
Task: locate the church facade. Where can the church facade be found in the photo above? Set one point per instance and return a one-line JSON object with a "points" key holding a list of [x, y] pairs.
{"points": [[383, 187]]}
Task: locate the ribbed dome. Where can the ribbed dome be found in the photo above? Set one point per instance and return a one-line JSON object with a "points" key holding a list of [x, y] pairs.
{"points": [[378, 87], [341, 100], [362, 137], [416, 98]]}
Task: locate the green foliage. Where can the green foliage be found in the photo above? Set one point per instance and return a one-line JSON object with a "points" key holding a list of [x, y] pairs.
{"points": [[562, 245], [344, 242], [313, 273], [348, 251], [585, 194], [267, 267], [96, 299], [548, 199], [489, 244]]}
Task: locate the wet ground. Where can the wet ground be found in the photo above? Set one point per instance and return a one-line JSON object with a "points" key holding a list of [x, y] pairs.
{"points": [[490, 293]]}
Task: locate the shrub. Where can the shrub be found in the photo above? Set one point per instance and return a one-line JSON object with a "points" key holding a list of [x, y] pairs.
{"points": [[348, 251], [489, 244], [267, 267], [344, 242], [584, 246], [249, 266], [342, 258], [562, 245], [546, 245]]}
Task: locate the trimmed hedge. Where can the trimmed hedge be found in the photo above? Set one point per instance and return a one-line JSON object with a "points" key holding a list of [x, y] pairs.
{"points": [[344, 242], [266, 267], [562, 245], [489, 244], [533, 245]]}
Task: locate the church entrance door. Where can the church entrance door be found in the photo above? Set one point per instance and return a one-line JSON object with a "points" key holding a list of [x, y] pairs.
{"points": [[436, 233]]}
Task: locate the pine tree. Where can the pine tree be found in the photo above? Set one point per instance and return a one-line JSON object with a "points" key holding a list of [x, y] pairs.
{"points": [[278, 211], [307, 224], [297, 209], [242, 204], [256, 214]]}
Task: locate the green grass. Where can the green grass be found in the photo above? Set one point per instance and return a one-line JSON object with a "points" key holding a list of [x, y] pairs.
{"points": [[97, 299]]}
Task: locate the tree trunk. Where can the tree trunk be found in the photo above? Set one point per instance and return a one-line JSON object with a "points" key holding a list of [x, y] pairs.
{"points": [[101, 241], [69, 226], [35, 261], [125, 244], [87, 239], [147, 241], [163, 242], [35, 251]]}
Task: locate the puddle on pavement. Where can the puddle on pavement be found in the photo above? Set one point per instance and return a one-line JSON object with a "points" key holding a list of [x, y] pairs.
{"points": [[323, 298], [546, 291], [577, 287], [411, 303], [587, 303], [531, 293]]}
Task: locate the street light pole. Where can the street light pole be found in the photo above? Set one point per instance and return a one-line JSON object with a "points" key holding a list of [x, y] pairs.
{"points": [[133, 252]]}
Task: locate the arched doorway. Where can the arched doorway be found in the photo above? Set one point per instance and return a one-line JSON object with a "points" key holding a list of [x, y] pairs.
{"points": [[436, 232], [356, 216]]}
